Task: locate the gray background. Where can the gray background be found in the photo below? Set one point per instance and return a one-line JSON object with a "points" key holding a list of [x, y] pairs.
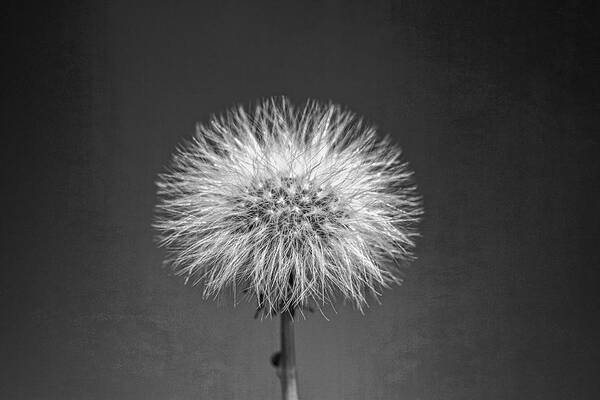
{"points": [[494, 104]]}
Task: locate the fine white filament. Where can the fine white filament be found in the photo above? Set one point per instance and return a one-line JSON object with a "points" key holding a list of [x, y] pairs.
{"points": [[297, 205]]}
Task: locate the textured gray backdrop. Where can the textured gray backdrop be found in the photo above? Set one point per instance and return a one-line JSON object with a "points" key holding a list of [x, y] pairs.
{"points": [[493, 103]]}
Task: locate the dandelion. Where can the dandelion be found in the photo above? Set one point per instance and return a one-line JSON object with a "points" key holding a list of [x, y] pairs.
{"points": [[295, 205]]}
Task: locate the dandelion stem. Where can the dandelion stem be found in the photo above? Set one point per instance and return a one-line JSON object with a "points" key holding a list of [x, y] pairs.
{"points": [[287, 361]]}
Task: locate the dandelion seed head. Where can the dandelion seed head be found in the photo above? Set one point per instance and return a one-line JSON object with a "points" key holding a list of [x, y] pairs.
{"points": [[295, 205]]}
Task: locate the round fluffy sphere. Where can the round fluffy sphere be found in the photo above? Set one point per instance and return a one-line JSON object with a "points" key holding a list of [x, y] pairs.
{"points": [[295, 205]]}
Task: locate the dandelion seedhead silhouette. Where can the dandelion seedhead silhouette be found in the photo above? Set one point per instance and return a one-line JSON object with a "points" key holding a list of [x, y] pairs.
{"points": [[296, 205]]}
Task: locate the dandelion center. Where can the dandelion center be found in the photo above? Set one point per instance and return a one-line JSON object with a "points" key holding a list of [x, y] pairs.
{"points": [[291, 206]]}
